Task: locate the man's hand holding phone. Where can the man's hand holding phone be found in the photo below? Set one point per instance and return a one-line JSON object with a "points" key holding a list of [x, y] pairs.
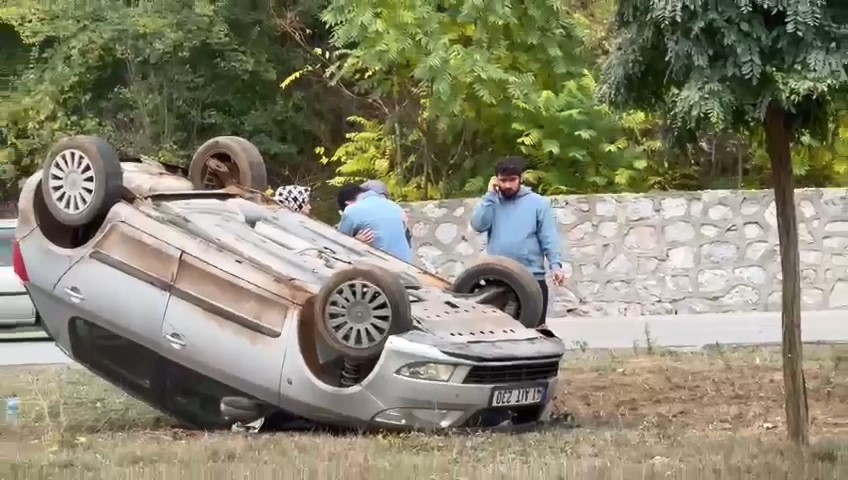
{"points": [[494, 186]]}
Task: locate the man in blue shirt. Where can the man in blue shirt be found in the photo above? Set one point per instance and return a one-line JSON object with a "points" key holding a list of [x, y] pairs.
{"points": [[382, 189], [520, 225], [374, 219]]}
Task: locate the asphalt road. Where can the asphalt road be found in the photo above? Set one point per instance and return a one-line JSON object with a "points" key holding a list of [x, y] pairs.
{"points": [[31, 353], [691, 331]]}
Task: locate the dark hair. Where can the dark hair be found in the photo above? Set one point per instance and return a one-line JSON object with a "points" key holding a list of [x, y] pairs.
{"points": [[509, 166], [348, 193]]}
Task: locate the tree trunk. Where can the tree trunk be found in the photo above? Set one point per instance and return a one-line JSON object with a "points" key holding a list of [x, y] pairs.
{"points": [[778, 146]]}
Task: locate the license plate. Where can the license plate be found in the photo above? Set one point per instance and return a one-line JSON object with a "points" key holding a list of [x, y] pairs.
{"points": [[511, 396]]}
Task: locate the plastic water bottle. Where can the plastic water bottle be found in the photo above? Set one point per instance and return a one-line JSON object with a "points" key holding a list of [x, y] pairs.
{"points": [[13, 407]]}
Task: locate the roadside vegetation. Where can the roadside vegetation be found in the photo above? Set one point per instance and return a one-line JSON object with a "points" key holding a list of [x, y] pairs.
{"points": [[636, 414], [425, 97]]}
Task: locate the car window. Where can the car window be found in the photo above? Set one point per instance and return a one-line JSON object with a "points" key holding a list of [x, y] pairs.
{"points": [[184, 393], [6, 237]]}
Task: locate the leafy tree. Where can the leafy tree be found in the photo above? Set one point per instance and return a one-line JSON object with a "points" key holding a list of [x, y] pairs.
{"points": [[816, 160], [448, 87], [738, 64], [595, 19], [157, 79]]}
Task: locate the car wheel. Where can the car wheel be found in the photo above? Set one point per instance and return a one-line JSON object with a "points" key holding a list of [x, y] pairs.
{"points": [[224, 161], [504, 273], [81, 180], [357, 309]]}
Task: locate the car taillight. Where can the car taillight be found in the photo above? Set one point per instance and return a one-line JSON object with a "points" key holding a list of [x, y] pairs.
{"points": [[18, 263]]}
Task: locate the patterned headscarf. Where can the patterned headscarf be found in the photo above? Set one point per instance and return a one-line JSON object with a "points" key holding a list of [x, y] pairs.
{"points": [[293, 197]]}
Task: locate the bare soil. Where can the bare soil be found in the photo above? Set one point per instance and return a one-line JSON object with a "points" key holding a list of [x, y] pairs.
{"points": [[656, 414]]}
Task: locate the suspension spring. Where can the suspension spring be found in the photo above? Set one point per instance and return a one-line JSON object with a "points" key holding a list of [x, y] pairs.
{"points": [[210, 180], [350, 373], [215, 171]]}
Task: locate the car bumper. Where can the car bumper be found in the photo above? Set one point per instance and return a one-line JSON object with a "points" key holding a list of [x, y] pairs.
{"points": [[427, 404], [388, 400], [16, 310]]}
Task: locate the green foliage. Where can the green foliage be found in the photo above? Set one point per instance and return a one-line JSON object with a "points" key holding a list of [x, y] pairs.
{"points": [[816, 161], [456, 85], [594, 19], [717, 64], [428, 95], [654, 166], [156, 78], [366, 154]]}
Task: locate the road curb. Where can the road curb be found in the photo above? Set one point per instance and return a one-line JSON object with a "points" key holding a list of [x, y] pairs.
{"points": [[24, 336]]}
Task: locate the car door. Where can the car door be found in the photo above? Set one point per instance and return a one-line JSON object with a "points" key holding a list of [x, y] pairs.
{"points": [[122, 283], [222, 326], [149, 376]]}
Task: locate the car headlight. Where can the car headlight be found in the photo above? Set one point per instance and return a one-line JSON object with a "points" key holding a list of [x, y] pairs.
{"points": [[437, 372]]}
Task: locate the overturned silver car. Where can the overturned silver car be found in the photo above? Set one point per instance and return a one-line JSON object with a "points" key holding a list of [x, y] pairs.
{"points": [[206, 299]]}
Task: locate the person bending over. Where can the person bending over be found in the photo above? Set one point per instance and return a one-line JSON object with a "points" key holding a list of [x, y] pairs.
{"points": [[375, 220], [381, 188], [519, 224]]}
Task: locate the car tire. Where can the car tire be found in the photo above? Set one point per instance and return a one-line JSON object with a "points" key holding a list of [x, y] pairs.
{"points": [[514, 275], [363, 282], [244, 164], [78, 167]]}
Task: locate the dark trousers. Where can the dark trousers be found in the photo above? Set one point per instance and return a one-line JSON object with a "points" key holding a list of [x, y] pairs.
{"points": [[544, 286]]}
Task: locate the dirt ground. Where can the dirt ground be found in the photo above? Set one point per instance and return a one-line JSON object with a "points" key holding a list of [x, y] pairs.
{"points": [[657, 414]]}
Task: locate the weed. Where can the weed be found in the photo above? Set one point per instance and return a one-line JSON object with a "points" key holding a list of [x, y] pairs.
{"points": [[692, 415]]}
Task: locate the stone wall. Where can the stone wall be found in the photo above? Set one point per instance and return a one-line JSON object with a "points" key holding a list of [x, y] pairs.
{"points": [[711, 251]]}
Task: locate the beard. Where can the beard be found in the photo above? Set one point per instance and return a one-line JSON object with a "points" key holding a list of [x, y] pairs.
{"points": [[509, 194]]}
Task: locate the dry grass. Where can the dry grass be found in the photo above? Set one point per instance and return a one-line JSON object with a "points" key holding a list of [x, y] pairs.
{"points": [[658, 415]]}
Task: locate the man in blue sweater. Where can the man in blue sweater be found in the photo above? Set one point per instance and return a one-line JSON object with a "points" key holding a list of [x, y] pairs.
{"points": [[520, 225], [381, 188], [374, 219]]}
